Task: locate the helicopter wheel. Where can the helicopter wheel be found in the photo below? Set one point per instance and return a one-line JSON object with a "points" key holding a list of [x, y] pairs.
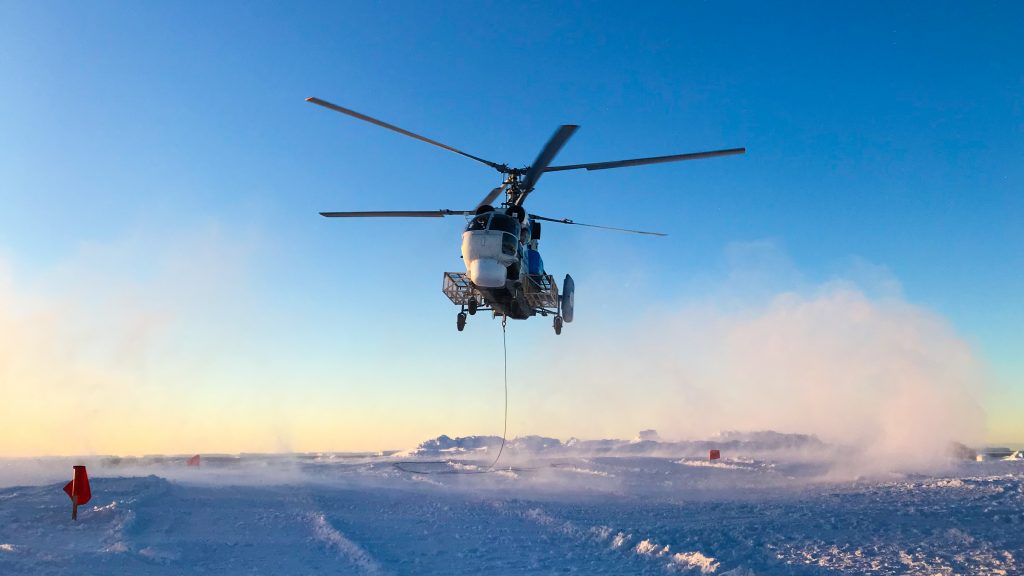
{"points": [[558, 324], [472, 305], [460, 321]]}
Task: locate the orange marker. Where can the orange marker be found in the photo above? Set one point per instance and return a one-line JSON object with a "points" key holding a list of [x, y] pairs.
{"points": [[78, 490]]}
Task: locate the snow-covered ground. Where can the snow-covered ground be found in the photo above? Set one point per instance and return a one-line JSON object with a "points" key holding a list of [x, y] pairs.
{"points": [[555, 511]]}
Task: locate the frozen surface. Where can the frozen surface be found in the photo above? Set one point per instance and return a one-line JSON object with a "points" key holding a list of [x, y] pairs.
{"points": [[620, 514]]}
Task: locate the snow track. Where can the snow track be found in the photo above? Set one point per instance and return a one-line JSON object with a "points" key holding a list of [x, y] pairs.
{"points": [[599, 539], [347, 548]]}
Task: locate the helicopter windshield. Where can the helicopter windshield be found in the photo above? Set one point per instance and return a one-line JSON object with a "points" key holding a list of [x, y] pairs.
{"points": [[504, 223], [479, 222]]}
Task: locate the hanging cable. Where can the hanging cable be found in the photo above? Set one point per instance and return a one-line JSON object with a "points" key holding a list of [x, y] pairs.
{"points": [[504, 353], [404, 466]]}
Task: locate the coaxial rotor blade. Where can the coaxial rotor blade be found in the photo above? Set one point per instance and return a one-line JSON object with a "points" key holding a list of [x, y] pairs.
{"points": [[568, 221], [398, 214], [547, 154], [499, 167], [651, 160], [491, 196]]}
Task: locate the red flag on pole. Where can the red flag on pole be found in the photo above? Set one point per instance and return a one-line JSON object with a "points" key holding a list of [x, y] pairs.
{"points": [[78, 490], [193, 461]]}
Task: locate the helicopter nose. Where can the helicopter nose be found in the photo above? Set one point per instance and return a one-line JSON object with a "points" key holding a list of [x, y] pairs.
{"points": [[487, 273]]}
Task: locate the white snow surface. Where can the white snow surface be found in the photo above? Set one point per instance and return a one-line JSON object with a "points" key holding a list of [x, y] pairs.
{"points": [[595, 514]]}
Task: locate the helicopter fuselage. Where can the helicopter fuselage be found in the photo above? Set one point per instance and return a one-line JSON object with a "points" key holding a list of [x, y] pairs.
{"points": [[504, 271], [500, 255]]}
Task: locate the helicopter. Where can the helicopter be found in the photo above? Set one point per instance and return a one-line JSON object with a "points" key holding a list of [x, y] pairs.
{"points": [[504, 271]]}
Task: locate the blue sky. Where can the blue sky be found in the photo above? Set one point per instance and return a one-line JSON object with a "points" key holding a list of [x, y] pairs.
{"points": [[165, 149]]}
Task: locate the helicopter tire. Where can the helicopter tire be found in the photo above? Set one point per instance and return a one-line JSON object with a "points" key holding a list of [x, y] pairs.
{"points": [[558, 324], [472, 306], [460, 321]]}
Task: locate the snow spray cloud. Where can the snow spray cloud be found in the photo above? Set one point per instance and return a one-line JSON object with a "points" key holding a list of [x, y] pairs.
{"points": [[887, 379], [97, 351]]}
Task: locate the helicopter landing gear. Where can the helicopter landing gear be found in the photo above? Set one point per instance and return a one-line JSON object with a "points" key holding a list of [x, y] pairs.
{"points": [[460, 321], [472, 305], [558, 324]]}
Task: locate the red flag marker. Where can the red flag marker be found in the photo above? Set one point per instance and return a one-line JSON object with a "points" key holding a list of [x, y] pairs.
{"points": [[193, 461], [714, 455], [78, 490]]}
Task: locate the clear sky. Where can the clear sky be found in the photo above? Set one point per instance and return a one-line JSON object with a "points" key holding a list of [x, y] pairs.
{"points": [[166, 284]]}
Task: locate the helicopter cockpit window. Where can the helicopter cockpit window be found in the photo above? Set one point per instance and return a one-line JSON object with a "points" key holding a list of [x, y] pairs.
{"points": [[505, 224], [479, 222]]}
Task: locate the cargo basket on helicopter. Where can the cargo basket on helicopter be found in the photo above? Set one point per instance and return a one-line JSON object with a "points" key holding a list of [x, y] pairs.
{"points": [[540, 291]]}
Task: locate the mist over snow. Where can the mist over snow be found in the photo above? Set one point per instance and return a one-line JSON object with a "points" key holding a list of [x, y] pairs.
{"points": [[106, 338], [858, 367], [88, 352]]}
